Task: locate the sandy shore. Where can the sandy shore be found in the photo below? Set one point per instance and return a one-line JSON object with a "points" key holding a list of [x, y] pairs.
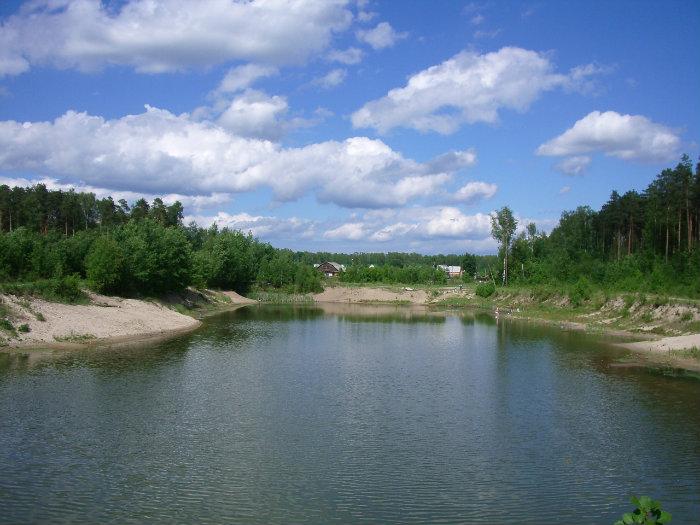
{"points": [[105, 319], [666, 344], [343, 294]]}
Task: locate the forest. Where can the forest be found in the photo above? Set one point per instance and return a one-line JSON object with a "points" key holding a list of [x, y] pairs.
{"points": [[639, 241], [56, 240]]}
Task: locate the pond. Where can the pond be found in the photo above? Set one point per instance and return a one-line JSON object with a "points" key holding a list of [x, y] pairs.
{"points": [[346, 414]]}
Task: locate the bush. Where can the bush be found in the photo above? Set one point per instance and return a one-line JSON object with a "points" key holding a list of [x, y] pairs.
{"points": [[65, 289], [105, 265], [23, 328], [485, 289], [580, 292]]}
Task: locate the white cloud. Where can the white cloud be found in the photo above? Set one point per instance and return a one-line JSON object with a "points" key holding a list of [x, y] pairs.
{"points": [[382, 36], [467, 88], [564, 190], [352, 231], [242, 77], [333, 78], [419, 223], [573, 165], [477, 19], [628, 137], [349, 56], [259, 225], [475, 191], [453, 161], [156, 36], [157, 152], [483, 33], [366, 16], [255, 114]]}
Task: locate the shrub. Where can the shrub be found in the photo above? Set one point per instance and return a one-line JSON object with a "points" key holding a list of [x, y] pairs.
{"points": [[485, 289], [24, 328], [104, 265], [580, 292], [646, 511], [65, 289]]}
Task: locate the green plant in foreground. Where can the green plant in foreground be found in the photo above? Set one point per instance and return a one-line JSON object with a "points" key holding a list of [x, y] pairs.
{"points": [[485, 289], [647, 511], [24, 328]]}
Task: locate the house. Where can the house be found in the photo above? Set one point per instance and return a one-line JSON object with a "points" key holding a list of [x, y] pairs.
{"points": [[451, 271], [330, 269]]}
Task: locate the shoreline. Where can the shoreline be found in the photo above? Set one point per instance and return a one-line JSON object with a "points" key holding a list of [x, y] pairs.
{"points": [[147, 321], [109, 322]]}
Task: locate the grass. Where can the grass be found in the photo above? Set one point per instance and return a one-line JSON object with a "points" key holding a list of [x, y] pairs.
{"points": [[67, 290], [690, 353], [75, 338], [280, 297], [6, 325]]}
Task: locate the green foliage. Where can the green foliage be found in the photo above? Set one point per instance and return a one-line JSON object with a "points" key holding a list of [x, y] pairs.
{"points": [[64, 289], [5, 324], [386, 274], [580, 292], [647, 511], [157, 258], [24, 328], [485, 289], [104, 265]]}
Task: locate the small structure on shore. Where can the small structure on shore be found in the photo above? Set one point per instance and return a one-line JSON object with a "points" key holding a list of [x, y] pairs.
{"points": [[451, 271], [329, 268]]}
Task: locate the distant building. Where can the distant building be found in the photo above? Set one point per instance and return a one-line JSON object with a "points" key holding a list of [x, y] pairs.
{"points": [[451, 271], [330, 269]]}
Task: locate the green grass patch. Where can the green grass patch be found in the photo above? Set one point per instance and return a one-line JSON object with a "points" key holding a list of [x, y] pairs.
{"points": [[66, 290], [278, 297], [75, 338]]}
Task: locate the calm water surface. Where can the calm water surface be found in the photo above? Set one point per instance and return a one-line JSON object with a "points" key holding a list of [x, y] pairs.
{"points": [[348, 415]]}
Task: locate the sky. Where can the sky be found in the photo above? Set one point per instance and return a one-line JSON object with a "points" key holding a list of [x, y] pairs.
{"points": [[358, 125]]}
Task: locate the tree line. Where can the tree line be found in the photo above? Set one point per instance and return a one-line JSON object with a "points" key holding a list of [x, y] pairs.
{"points": [[646, 241], [127, 249]]}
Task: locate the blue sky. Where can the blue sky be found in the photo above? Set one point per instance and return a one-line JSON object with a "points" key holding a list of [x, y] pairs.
{"points": [[350, 125]]}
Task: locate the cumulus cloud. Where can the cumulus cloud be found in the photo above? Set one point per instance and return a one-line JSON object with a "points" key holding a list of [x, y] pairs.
{"points": [[475, 191], [415, 224], [573, 165], [351, 231], [467, 88], [242, 77], [349, 56], [382, 36], [155, 36], [267, 227], [157, 152], [333, 78], [628, 137], [255, 114]]}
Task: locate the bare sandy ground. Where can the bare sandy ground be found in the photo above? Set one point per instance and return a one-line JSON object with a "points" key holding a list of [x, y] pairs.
{"points": [[106, 318], [342, 294], [681, 342], [237, 298]]}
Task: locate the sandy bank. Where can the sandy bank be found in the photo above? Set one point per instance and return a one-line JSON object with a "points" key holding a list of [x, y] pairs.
{"points": [[343, 294], [105, 319], [237, 298], [666, 344]]}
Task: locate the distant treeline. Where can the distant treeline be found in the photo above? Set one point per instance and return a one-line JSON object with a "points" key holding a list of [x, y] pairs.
{"points": [[140, 249], [644, 241]]}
